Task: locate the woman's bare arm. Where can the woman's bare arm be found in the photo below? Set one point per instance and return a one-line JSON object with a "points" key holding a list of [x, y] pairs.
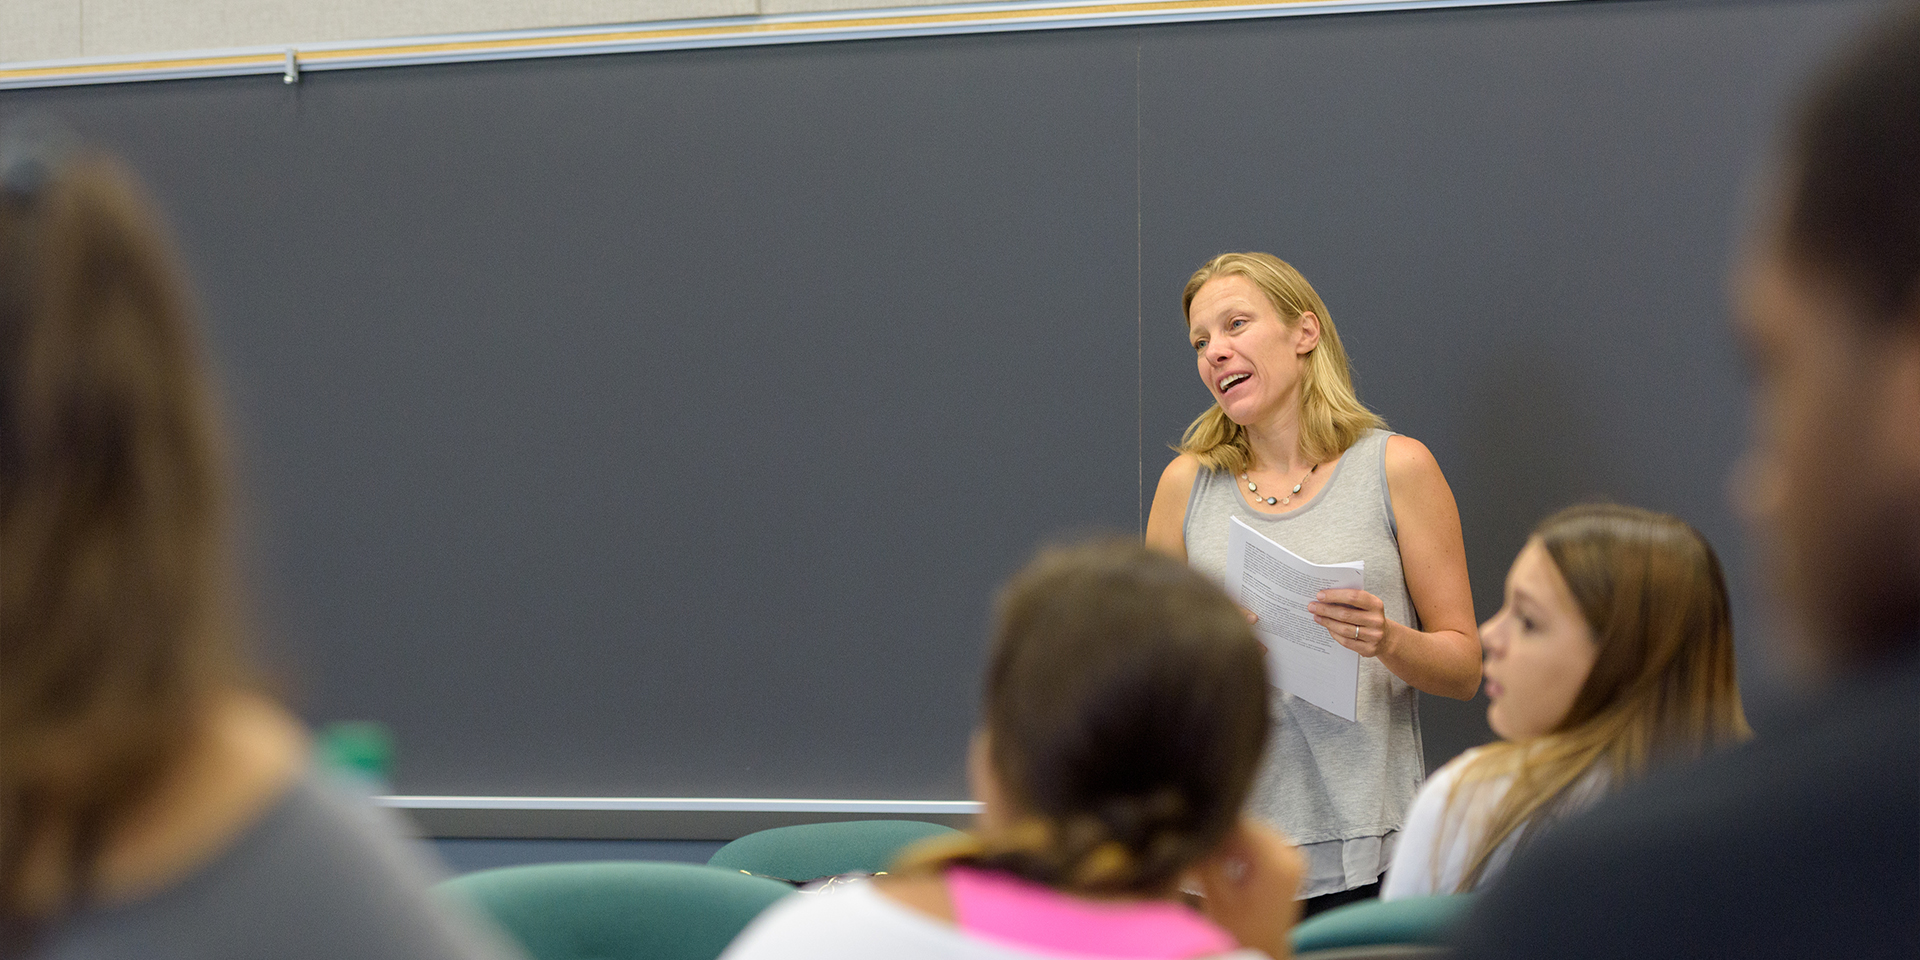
{"points": [[1167, 521], [1443, 657]]}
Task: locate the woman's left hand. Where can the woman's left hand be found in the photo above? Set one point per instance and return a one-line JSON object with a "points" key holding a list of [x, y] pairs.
{"points": [[1356, 618]]}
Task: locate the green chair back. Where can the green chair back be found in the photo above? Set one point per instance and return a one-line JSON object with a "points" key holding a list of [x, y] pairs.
{"points": [[617, 910], [809, 851], [1416, 920]]}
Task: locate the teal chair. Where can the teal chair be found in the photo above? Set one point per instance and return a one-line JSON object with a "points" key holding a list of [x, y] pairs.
{"points": [[810, 851], [617, 910], [1414, 927]]}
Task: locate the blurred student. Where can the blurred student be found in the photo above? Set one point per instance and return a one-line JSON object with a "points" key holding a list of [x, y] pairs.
{"points": [[1612, 654], [154, 803], [1805, 842], [1124, 713]]}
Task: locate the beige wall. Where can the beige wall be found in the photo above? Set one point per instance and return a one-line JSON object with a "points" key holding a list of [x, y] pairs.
{"points": [[39, 29], [63, 29]]}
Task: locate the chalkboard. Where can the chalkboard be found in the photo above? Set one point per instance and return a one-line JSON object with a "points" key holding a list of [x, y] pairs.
{"points": [[660, 424]]}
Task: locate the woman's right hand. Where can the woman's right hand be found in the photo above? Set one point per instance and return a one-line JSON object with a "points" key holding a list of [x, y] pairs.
{"points": [[1250, 884], [1253, 619]]}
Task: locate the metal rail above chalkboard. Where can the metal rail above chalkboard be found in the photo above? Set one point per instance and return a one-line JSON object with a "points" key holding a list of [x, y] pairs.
{"points": [[651, 818]]}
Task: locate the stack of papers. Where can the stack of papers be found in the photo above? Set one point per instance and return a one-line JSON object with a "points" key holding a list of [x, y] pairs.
{"points": [[1277, 584]]}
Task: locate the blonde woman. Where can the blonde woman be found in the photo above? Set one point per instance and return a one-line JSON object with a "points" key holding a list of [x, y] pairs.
{"points": [[1288, 448], [1613, 653]]}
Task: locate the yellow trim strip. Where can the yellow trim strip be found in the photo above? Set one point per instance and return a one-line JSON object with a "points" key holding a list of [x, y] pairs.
{"points": [[850, 23], [129, 66], [563, 43]]}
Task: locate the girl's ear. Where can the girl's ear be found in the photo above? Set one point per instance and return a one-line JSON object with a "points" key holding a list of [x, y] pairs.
{"points": [[985, 784]]}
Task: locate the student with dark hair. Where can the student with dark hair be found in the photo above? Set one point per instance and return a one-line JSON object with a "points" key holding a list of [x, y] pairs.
{"points": [[155, 802], [1124, 711], [1805, 842]]}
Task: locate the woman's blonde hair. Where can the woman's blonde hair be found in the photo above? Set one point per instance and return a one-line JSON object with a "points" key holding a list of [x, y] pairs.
{"points": [[1331, 415], [1662, 688], [115, 616], [1125, 708]]}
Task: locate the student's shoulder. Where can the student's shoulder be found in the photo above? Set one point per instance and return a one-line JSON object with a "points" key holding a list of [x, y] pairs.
{"points": [[1452, 768], [320, 862], [803, 926], [848, 924], [1433, 802]]}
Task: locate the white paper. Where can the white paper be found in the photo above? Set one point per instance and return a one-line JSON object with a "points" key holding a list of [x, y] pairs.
{"points": [[1277, 584]]}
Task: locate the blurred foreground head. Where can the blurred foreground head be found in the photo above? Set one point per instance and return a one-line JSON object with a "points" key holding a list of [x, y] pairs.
{"points": [[1830, 307], [1125, 709], [114, 580]]}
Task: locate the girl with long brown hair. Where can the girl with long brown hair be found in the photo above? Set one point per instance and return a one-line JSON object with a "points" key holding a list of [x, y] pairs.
{"points": [[154, 801], [1613, 654]]}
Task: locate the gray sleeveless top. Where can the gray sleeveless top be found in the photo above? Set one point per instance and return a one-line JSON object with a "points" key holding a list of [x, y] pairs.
{"points": [[1339, 789]]}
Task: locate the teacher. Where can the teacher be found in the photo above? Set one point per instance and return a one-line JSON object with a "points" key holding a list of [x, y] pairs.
{"points": [[1288, 448]]}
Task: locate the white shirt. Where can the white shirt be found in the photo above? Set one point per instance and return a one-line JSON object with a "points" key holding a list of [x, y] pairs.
{"points": [[1438, 838], [859, 923]]}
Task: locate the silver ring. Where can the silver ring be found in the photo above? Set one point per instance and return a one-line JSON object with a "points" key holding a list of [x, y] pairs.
{"points": [[1356, 631]]}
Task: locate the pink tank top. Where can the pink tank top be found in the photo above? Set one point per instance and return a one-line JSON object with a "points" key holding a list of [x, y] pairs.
{"points": [[999, 906]]}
